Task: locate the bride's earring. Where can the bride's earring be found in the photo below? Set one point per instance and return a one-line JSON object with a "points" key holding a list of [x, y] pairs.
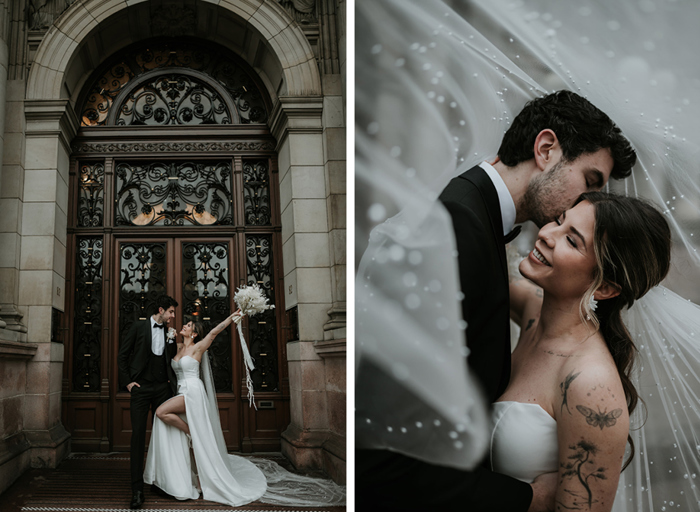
{"points": [[592, 305]]}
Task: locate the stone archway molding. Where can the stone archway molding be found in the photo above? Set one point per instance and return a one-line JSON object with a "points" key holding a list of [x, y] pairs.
{"points": [[284, 36]]}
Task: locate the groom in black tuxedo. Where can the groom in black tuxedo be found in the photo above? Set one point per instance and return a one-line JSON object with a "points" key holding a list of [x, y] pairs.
{"points": [[144, 370], [557, 148]]}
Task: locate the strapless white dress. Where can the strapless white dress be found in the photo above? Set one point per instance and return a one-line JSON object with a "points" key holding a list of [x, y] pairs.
{"points": [[523, 441], [224, 478]]}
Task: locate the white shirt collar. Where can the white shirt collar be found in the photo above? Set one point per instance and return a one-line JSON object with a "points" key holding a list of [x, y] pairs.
{"points": [[153, 322], [504, 198]]}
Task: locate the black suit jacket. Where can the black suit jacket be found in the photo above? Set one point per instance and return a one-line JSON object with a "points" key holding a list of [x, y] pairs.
{"points": [[473, 203], [134, 353], [389, 481]]}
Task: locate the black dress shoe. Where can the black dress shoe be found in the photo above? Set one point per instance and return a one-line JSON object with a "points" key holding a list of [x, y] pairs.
{"points": [[136, 499]]}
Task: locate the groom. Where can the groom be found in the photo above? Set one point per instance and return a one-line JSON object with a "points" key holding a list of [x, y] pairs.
{"points": [[558, 147], [145, 371]]}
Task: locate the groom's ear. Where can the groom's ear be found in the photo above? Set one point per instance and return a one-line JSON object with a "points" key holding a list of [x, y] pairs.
{"points": [[547, 149], [607, 291]]}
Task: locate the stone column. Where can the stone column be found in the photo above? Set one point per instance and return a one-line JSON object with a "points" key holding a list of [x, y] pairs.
{"points": [[335, 171], [332, 19], [51, 125], [4, 65], [342, 45], [11, 192]]}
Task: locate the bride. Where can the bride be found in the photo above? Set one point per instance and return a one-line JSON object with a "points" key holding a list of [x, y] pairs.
{"points": [[570, 397], [190, 420], [221, 477]]}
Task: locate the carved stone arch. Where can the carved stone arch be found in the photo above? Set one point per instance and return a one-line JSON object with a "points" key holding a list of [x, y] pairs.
{"points": [[284, 38]]}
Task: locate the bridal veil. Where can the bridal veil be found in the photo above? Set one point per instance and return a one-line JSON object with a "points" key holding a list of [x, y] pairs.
{"points": [[437, 84]]}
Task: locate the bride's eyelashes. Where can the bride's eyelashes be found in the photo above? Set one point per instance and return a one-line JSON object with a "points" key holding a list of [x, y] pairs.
{"points": [[570, 239]]}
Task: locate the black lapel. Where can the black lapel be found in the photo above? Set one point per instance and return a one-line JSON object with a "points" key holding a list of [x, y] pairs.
{"points": [[486, 188], [148, 332]]}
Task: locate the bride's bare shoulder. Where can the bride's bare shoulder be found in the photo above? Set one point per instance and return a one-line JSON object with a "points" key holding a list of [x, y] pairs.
{"points": [[590, 382]]}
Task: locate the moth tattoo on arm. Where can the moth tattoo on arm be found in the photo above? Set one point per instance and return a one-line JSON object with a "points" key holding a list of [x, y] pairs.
{"points": [[601, 418], [564, 388]]}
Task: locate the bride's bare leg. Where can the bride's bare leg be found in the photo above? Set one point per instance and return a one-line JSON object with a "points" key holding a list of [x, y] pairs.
{"points": [[168, 413]]}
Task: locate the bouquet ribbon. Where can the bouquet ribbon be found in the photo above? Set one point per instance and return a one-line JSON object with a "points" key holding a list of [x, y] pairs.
{"points": [[248, 360]]}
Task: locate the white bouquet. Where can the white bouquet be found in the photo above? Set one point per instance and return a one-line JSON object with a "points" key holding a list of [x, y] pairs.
{"points": [[250, 300], [171, 333]]}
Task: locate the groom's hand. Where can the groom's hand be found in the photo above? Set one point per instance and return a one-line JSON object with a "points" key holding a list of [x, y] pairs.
{"points": [[131, 385], [544, 489]]}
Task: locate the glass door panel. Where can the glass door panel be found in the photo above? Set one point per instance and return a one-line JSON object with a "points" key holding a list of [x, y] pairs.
{"points": [[206, 297]]}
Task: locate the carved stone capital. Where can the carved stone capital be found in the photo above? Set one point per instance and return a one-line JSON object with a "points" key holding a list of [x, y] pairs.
{"points": [[338, 318], [12, 319]]}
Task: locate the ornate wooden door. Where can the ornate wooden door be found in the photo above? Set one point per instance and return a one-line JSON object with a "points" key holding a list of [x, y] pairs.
{"points": [[174, 189], [198, 274]]}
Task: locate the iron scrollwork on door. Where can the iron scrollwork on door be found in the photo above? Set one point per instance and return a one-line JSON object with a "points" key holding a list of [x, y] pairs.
{"points": [[173, 194], [256, 193], [262, 327], [88, 315], [219, 65], [143, 275], [91, 195], [206, 297], [173, 99]]}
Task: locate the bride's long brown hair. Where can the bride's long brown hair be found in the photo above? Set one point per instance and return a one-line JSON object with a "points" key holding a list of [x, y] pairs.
{"points": [[632, 242], [197, 327]]}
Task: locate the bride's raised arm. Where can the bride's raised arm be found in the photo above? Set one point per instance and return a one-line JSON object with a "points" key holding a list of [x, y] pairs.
{"points": [[206, 342], [525, 302], [592, 428]]}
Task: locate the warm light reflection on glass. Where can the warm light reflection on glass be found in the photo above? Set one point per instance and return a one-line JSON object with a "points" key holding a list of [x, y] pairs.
{"points": [[144, 219]]}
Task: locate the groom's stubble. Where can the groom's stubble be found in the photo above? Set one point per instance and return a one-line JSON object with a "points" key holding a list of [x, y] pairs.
{"points": [[546, 196]]}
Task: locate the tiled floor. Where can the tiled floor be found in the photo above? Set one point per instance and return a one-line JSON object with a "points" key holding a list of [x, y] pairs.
{"points": [[100, 482]]}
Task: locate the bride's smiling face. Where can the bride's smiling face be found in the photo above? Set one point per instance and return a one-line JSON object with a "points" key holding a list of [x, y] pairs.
{"points": [[188, 330], [563, 260]]}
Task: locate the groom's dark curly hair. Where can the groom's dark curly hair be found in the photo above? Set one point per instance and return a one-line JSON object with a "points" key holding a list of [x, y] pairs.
{"points": [[163, 301], [579, 125]]}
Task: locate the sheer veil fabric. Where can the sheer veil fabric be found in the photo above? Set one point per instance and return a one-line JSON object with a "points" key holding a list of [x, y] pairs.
{"points": [[437, 84]]}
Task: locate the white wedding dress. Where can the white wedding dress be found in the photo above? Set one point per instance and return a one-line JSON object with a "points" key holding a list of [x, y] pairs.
{"points": [[523, 441], [220, 476], [225, 479]]}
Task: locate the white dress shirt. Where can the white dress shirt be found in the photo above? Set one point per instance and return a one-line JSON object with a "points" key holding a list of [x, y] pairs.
{"points": [[157, 337], [504, 197]]}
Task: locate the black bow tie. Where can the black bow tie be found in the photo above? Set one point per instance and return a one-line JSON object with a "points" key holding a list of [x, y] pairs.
{"points": [[159, 326], [511, 236]]}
